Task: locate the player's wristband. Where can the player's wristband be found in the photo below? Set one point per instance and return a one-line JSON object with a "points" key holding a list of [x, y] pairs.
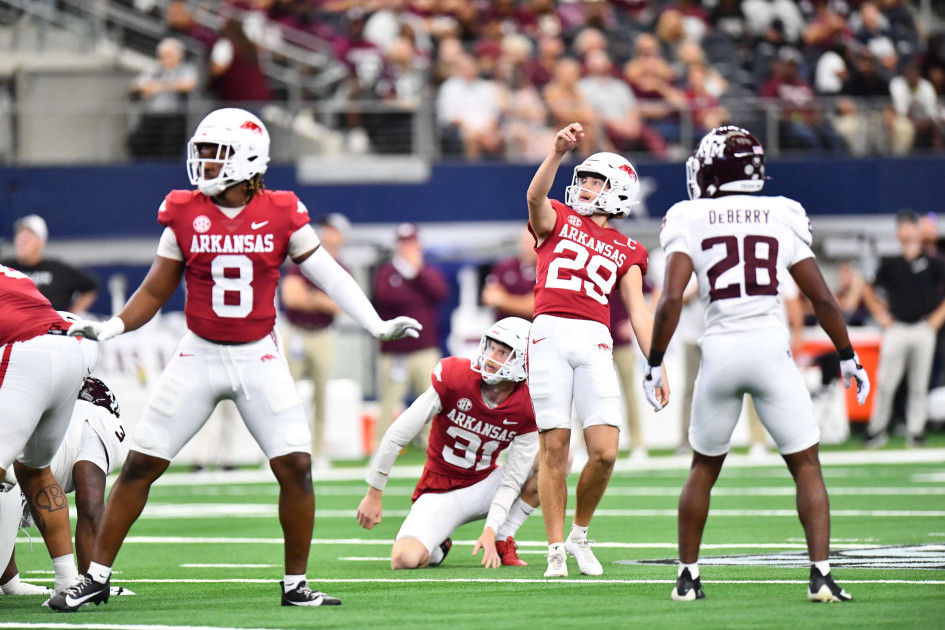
{"points": [[656, 357], [846, 353]]}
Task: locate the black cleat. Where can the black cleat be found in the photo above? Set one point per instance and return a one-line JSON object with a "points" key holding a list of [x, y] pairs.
{"points": [[687, 589], [84, 591], [445, 547], [823, 589], [302, 595]]}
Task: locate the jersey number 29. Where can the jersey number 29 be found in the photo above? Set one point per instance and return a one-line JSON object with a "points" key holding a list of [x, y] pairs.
{"points": [[597, 286]]}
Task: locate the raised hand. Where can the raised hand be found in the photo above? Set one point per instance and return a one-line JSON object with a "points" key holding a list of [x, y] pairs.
{"points": [[569, 137]]}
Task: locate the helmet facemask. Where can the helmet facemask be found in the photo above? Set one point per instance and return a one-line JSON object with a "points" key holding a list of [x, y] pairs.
{"points": [[512, 369], [242, 150], [617, 196]]}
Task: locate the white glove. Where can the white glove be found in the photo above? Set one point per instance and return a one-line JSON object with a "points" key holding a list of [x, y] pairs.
{"points": [[851, 370], [652, 383], [397, 328], [99, 331]]}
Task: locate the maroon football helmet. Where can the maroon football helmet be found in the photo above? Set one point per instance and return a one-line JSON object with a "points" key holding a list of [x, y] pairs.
{"points": [[96, 392], [728, 159]]}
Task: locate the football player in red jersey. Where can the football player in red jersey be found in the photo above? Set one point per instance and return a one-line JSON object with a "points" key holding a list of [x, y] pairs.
{"points": [[581, 260], [477, 409], [227, 240], [41, 371]]}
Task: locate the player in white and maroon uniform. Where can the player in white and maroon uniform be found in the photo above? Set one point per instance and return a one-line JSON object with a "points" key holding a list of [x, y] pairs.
{"points": [[741, 247], [581, 261], [227, 239], [477, 410], [95, 444], [41, 370]]}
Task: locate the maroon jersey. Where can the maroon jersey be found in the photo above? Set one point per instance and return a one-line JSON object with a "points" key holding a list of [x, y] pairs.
{"points": [[580, 264], [26, 313], [467, 436], [232, 265]]}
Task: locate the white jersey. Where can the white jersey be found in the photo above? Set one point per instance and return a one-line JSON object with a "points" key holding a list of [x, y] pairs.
{"points": [[741, 247], [105, 427]]}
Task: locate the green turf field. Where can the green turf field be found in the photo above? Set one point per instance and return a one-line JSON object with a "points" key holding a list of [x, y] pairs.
{"points": [[207, 553]]}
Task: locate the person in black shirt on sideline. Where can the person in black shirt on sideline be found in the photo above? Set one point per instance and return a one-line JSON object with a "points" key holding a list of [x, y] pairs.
{"points": [[913, 311], [66, 287]]}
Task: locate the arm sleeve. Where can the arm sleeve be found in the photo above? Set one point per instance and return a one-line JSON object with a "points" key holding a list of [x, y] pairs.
{"points": [[168, 247], [302, 241], [325, 272], [514, 474], [407, 427]]}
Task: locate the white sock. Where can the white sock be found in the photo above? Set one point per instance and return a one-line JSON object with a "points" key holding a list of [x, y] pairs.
{"points": [[823, 566], [578, 533], [436, 556], [517, 515], [291, 581], [10, 585], [556, 549], [65, 572], [99, 572], [693, 569]]}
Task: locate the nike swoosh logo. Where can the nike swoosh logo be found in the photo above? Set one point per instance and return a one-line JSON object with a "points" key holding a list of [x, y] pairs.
{"points": [[78, 602], [508, 422], [534, 341], [185, 355], [256, 226]]}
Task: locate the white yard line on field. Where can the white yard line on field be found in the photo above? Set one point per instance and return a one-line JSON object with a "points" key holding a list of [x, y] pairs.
{"points": [[229, 566], [244, 510], [386, 542], [551, 581]]}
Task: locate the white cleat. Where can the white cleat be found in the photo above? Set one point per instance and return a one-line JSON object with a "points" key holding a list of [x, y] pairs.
{"points": [[557, 565], [25, 588], [586, 559]]}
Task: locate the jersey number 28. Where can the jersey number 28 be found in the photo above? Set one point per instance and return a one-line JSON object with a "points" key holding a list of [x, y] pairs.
{"points": [[755, 257]]}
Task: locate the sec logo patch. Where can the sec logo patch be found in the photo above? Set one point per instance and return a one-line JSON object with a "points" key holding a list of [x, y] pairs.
{"points": [[464, 404], [575, 221], [201, 224]]}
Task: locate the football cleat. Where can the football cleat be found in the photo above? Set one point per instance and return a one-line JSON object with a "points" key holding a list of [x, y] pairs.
{"points": [[445, 547], [84, 591], [508, 553], [25, 588], [687, 589], [823, 589], [302, 595], [557, 565], [587, 561]]}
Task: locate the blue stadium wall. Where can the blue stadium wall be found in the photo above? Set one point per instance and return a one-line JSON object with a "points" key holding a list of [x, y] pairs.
{"points": [[116, 201]]}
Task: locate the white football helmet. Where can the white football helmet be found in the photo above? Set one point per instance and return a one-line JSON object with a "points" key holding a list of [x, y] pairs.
{"points": [[513, 332], [620, 191], [243, 148]]}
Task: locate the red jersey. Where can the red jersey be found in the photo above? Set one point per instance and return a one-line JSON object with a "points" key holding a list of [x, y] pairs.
{"points": [[467, 436], [232, 265], [580, 264], [25, 312]]}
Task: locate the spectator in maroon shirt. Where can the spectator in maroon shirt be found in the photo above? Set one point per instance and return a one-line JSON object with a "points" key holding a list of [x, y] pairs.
{"points": [[181, 21], [406, 285], [309, 340], [235, 73], [802, 125], [510, 285]]}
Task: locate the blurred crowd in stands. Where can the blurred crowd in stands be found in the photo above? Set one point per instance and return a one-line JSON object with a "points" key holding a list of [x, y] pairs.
{"points": [[643, 76]]}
